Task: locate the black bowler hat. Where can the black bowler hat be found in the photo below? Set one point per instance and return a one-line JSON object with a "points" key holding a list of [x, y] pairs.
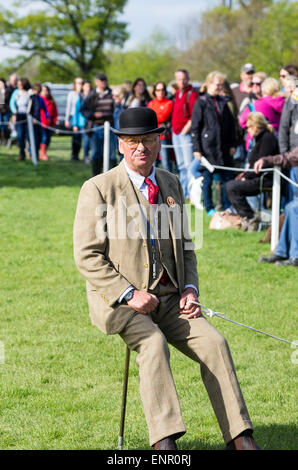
{"points": [[138, 121]]}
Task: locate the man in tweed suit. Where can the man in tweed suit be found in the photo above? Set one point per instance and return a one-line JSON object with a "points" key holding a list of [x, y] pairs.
{"points": [[141, 284]]}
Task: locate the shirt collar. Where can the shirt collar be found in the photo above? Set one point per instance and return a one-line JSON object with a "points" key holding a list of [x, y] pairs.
{"points": [[139, 180]]}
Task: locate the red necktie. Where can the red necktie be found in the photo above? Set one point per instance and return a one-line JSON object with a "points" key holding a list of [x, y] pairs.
{"points": [[153, 191]]}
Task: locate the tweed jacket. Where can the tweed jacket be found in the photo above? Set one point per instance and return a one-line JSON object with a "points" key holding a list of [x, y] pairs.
{"points": [[110, 243]]}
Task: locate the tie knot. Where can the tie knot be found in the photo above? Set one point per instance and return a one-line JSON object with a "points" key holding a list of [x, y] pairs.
{"points": [[152, 191]]}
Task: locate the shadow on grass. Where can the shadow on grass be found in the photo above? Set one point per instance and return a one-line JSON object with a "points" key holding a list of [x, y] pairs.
{"points": [[271, 437]]}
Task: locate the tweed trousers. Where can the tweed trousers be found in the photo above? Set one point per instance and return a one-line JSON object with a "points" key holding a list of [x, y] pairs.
{"points": [[149, 336]]}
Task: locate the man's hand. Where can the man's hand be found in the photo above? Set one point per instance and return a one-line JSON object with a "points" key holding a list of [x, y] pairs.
{"points": [[98, 114], [240, 177], [67, 124], [75, 128], [197, 155], [258, 165], [143, 302], [186, 128], [186, 305]]}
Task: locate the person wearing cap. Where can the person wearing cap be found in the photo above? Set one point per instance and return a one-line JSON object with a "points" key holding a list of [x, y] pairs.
{"points": [[142, 283], [244, 89], [97, 108]]}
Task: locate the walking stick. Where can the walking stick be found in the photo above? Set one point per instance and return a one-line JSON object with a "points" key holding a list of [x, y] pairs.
{"points": [[124, 395]]}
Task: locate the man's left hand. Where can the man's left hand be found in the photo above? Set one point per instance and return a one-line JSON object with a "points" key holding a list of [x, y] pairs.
{"points": [[192, 310]]}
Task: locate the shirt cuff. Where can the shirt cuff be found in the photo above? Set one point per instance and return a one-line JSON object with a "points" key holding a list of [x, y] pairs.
{"points": [[124, 293], [194, 287]]}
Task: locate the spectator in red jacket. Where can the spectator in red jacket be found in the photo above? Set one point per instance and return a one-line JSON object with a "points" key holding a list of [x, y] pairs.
{"points": [[47, 121], [163, 108], [184, 101]]}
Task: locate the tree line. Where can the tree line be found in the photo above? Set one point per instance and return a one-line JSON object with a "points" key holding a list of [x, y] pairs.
{"points": [[67, 38]]}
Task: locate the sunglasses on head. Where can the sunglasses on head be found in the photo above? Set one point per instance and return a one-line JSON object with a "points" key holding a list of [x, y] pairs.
{"points": [[256, 83]]}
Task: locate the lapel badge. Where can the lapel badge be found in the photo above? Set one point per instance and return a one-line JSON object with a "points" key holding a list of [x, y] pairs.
{"points": [[171, 202]]}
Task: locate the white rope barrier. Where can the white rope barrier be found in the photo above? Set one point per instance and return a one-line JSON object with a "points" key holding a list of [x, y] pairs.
{"points": [[86, 131], [61, 131], [54, 129], [286, 178]]}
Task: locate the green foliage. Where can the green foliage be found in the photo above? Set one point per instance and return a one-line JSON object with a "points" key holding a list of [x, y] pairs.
{"points": [[259, 31], [153, 60], [66, 35], [65, 40], [274, 42]]}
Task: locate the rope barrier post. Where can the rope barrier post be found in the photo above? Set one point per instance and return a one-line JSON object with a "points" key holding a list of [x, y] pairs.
{"points": [[275, 208], [32, 139], [106, 147]]}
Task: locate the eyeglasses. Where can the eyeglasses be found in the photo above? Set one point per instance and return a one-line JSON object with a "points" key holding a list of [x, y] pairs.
{"points": [[160, 89], [282, 76], [133, 142], [257, 83]]}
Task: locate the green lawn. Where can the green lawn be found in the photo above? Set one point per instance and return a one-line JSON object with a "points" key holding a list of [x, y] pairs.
{"points": [[61, 380]]}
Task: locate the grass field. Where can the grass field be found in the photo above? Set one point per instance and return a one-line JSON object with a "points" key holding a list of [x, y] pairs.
{"points": [[61, 378]]}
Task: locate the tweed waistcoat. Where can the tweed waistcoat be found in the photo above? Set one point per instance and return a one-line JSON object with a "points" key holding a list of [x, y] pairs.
{"points": [[163, 244]]}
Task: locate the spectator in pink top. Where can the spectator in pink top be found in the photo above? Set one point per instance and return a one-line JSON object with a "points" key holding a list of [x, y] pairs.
{"points": [[270, 105]]}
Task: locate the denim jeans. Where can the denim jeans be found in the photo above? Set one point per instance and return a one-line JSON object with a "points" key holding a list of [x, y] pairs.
{"points": [[287, 246], [165, 155], [184, 156], [46, 136], [76, 143], [22, 132], [4, 127], [195, 168], [97, 144], [294, 177], [225, 176], [86, 143]]}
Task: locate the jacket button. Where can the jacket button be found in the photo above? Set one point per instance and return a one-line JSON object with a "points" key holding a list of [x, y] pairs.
{"points": [[145, 265], [144, 286]]}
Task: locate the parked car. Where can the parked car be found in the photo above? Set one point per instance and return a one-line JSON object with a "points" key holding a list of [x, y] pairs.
{"points": [[59, 93]]}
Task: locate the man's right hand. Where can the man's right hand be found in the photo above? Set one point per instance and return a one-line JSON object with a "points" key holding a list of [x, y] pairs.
{"points": [[258, 165], [143, 302]]}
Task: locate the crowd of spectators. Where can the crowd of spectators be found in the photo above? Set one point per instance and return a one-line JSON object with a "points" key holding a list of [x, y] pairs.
{"points": [[230, 125]]}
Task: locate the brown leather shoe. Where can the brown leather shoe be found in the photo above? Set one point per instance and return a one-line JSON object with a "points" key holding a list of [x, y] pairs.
{"points": [[166, 444], [243, 443]]}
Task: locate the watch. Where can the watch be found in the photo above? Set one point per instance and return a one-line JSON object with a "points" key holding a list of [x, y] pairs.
{"points": [[129, 295]]}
